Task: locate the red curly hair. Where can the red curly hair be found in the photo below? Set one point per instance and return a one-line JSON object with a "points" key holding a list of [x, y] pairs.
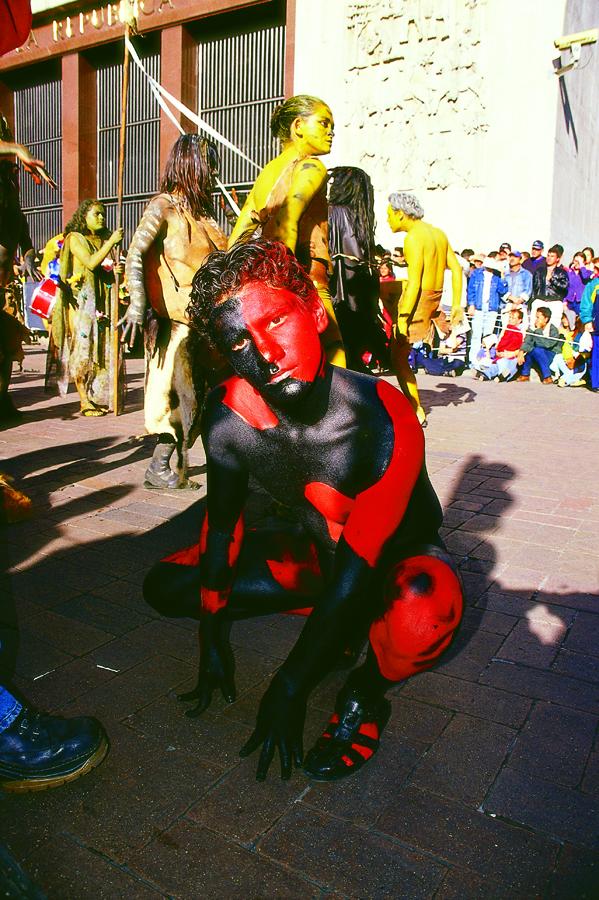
{"points": [[225, 272]]}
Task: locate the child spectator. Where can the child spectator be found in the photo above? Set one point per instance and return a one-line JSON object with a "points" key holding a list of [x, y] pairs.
{"points": [[569, 366], [539, 347], [502, 360]]}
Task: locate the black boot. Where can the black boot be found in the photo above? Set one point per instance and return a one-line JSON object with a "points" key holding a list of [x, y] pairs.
{"points": [[39, 751], [159, 474]]}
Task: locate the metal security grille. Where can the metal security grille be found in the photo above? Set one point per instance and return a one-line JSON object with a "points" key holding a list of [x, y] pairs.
{"points": [[38, 126], [241, 79], [140, 178]]}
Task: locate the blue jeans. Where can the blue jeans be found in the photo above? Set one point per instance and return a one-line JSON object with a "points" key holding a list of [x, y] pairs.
{"points": [[482, 324], [9, 709], [561, 370], [504, 367], [541, 358]]}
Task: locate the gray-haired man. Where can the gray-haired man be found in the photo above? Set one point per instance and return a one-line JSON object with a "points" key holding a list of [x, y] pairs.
{"points": [[428, 254]]}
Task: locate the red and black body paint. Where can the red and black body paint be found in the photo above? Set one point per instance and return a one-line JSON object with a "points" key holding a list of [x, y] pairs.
{"points": [[346, 453]]}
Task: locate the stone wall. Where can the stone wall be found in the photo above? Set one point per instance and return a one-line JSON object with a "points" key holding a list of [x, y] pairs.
{"points": [[574, 216], [455, 99]]}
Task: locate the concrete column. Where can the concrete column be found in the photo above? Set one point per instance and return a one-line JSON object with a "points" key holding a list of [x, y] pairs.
{"points": [[79, 132], [179, 75]]}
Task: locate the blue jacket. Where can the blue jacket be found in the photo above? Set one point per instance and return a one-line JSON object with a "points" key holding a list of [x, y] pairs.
{"points": [[519, 284], [475, 290], [588, 305]]}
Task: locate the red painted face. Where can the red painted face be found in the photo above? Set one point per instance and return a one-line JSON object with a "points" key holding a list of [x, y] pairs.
{"points": [[271, 337]]}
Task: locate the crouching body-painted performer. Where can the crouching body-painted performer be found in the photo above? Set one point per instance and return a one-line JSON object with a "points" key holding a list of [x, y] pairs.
{"points": [[346, 453], [176, 233]]}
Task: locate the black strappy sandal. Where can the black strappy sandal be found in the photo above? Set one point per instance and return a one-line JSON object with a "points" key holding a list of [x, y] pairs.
{"points": [[351, 738]]}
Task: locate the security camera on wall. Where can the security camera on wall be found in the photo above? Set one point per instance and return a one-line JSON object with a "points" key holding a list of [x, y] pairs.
{"points": [[582, 37], [574, 43]]}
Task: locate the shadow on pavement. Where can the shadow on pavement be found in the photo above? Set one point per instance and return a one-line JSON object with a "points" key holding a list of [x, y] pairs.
{"points": [[145, 660]]}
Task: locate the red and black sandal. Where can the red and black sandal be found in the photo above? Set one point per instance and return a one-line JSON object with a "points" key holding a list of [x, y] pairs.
{"points": [[351, 738]]}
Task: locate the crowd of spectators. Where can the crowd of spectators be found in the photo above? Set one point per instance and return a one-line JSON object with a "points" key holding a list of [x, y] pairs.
{"points": [[524, 312]]}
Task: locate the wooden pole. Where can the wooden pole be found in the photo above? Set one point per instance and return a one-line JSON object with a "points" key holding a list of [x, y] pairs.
{"points": [[117, 347]]}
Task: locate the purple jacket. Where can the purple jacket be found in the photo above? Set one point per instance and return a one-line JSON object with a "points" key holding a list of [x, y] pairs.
{"points": [[577, 281]]}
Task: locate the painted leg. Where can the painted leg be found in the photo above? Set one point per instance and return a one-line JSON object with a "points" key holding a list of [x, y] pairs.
{"points": [[400, 352], [423, 601], [331, 338], [278, 571], [88, 407]]}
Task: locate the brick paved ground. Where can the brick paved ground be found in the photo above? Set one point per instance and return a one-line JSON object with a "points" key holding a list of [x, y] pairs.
{"points": [[486, 784]]}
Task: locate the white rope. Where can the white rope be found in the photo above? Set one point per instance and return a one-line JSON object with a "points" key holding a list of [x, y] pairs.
{"points": [[178, 125], [533, 333], [158, 90]]}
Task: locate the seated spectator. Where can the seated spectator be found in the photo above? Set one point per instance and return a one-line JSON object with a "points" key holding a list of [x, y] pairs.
{"points": [[589, 316], [503, 256], [570, 365], [578, 277], [386, 271], [539, 347], [589, 256], [502, 360], [550, 279], [486, 289], [400, 264], [519, 282], [535, 258]]}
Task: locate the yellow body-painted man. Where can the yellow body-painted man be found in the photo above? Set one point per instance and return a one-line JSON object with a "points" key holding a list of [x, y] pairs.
{"points": [[428, 254], [288, 200]]}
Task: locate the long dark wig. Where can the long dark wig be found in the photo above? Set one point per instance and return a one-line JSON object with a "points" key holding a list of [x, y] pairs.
{"points": [[77, 221], [351, 187], [189, 173]]}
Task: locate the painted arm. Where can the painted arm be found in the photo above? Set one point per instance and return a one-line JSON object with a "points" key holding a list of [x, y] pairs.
{"points": [[344, 611], [7, 148], [93, 260], [308, 179], [222, 532], [151, 225], [29, 268], [456, 285], [245, 225], [414, 253], [220, 543]]}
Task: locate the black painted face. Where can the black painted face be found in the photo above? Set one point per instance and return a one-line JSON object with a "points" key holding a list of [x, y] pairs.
{"points": [[271, 339]]}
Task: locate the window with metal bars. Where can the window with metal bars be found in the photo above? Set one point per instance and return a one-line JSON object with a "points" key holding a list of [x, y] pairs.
{"points": [[141, 169], [37, 98], [241, 69]]}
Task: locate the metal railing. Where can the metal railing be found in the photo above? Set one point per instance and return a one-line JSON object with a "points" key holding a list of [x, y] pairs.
{"points": [[241, 80], [141, 171]]}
